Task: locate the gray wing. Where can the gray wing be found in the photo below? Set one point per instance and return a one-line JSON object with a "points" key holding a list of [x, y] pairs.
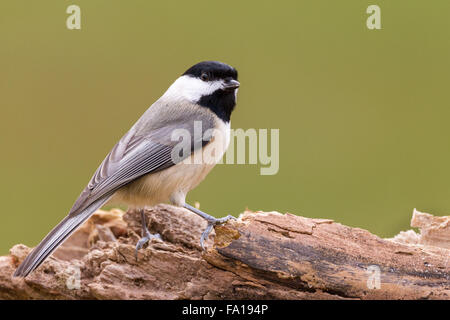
{"points": [[146, 148]]}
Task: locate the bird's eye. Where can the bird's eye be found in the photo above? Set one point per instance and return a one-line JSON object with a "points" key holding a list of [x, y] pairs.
{"points": [[204, 76]]}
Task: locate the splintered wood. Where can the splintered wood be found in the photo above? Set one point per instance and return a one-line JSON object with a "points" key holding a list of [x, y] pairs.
{"points": [[262, 255]]}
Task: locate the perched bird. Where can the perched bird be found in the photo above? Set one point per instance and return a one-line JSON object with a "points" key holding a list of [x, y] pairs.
{"points": [[167, 153]]}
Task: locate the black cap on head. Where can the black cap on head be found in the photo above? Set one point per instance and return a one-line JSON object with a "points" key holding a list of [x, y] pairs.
{"points": [[213, 69]]}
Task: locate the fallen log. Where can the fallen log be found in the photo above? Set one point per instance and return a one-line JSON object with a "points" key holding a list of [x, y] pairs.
{"points": [[261, 255]]}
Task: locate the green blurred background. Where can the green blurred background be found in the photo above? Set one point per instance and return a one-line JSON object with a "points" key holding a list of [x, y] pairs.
{"points": [[363, 114]]}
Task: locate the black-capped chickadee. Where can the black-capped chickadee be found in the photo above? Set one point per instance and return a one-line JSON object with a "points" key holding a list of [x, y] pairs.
{"points": [[167, 153]]}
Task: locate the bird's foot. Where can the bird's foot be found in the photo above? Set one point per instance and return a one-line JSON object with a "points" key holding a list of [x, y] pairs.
{"points": [[211, 223], [146, 235], [142, 241]]}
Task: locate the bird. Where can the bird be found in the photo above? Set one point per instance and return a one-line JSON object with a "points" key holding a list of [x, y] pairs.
{"points": [[165, 154]]}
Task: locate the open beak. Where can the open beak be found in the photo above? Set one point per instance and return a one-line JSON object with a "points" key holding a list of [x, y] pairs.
{"points": [[231, 85]]}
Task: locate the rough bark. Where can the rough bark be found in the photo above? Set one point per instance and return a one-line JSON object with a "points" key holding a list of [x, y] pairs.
{"points": [[259, 256]]}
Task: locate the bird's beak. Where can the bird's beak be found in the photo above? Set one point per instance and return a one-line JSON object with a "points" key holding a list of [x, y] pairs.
{"points": [[231, 85]]}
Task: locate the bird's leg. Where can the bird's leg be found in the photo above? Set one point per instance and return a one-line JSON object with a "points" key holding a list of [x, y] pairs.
{"points": [[146, 235], [211, 222]]}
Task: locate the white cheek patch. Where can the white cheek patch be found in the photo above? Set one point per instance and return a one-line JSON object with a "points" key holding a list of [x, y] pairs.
{"points": [[193, 89]]}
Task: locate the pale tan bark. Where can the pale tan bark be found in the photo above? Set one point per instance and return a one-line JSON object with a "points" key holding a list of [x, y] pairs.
{"points": [[259, 256]]}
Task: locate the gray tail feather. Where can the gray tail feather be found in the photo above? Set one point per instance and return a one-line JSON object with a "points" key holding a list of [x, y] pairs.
{"points": [[56, 237]]}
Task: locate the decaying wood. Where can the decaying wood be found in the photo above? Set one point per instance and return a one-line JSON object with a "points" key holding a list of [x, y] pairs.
{"points": [[259, 256]]}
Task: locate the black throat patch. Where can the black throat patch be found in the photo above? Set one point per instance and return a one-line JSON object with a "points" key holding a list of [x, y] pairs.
{"points": [[220, 102]]}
